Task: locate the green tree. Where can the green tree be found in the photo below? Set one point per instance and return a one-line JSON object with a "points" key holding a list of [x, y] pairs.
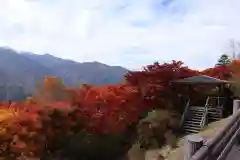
{"points": [[223, 60]]}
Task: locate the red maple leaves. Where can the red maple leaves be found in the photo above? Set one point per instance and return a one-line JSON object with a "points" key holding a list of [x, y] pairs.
{"points": [[154, 80], [109, 109]]}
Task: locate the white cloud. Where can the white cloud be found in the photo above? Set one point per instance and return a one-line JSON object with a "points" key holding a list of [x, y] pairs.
{"points": [[131, 33]]}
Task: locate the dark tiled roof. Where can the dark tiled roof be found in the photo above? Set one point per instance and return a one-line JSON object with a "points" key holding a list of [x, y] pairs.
{"points": [[200, 79]]}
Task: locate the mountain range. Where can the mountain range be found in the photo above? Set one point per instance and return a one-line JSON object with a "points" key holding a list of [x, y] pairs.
{"points": [[21, 72]]}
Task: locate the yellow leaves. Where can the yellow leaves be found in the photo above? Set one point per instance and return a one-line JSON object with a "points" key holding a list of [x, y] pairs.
{"points": [[52, 82], [7, 113], [52, 89]]}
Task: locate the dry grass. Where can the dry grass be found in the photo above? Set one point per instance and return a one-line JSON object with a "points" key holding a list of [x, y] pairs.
{"points": [[136, 153], [158, 120], [169, 153]]}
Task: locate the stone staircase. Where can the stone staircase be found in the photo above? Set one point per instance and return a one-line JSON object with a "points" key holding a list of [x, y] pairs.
{"points": [[215, 108], [196, 117], [192, 123], [215, 114]]}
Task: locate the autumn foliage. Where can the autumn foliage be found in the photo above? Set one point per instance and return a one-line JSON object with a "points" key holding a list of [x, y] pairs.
{"points": [[44, 124], [154, 81], [109, 107], [222, 72], [39, 126]]}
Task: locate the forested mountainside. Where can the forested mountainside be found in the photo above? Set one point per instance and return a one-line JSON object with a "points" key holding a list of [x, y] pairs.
{"points": [[21, 72]]}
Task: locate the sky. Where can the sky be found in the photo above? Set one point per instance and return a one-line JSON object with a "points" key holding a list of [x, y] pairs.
{"points": [[129, 33]]}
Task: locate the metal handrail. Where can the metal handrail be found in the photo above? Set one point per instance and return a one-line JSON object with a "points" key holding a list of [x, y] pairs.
{"points": [[204, 118], [229, 146], [219, 147], [218, 98], [184, 113]]}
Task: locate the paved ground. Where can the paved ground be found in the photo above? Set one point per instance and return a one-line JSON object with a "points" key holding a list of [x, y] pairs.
{"points": [[234, 154]]}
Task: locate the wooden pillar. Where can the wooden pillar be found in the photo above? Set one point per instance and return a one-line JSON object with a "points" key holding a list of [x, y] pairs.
{"points": [[236, 106], [192, 144]]}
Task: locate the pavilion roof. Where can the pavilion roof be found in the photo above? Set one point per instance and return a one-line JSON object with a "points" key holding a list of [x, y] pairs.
{"points": [[200, 79]]}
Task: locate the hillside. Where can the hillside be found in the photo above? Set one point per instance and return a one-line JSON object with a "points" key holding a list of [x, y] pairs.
{"points": [[74, 73], [23, 71]]}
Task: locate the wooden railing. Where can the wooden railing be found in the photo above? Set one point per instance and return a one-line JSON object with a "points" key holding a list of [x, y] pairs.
{"points": [[219, 146]]}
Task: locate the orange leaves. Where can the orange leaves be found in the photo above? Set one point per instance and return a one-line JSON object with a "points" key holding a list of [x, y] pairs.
{"points": [[235, 69], [221, 72], [235, 65], [6, 114], [52, 90], [224, 71], [52, 82]]}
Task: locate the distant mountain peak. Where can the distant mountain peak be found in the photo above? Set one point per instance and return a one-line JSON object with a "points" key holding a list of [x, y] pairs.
{"points": [[49, 55], [28, 69]]}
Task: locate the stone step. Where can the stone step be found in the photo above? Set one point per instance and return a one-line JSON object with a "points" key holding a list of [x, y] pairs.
{"points": [[198, 112], [197, 109], [213, 118], [194, 118], [215, 112], [193, 127], [191, 130], [213, 109], [214, 115], [194, 122], [195, 115]]}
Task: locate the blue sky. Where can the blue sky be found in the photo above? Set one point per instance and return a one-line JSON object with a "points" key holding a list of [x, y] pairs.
{"points": [[130, 33]]}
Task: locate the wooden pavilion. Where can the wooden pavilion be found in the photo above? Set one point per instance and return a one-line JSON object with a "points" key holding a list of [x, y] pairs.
{"points": [[207, 104]]}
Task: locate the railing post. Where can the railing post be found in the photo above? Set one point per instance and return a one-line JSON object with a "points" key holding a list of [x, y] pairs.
{"points": [[192, 144], [236, 106]]}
